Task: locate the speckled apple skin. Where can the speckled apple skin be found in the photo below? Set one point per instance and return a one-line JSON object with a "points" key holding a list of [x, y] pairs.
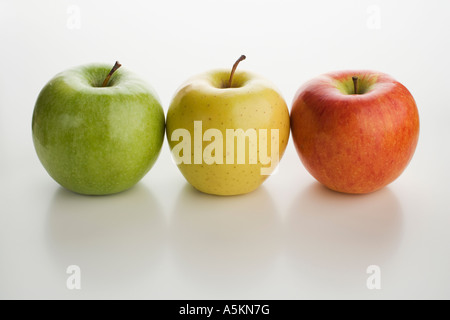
{"points": [[93, 140], [355, 143], [253, 102]]}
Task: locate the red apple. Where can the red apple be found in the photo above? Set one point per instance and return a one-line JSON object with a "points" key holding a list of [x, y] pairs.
{"points": [[355, 131]]}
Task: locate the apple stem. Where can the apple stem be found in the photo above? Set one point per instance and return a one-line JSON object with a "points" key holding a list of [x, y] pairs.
{"points": [[116, 66], [355, 84], [230, 81]]}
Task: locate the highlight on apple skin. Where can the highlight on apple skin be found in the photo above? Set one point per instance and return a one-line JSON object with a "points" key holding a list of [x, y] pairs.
{"points": [[97, 133], [355, 131]]}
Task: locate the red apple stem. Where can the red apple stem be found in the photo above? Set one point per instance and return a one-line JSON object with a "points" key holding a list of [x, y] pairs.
{"points": [[116, 66], [355, 84], [230, 81]]}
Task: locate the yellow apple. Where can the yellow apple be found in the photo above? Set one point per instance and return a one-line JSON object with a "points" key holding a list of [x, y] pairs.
{"points": [[227, 131]]}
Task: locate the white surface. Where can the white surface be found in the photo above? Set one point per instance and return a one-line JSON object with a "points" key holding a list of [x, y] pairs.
{"points": [[290, 239]]}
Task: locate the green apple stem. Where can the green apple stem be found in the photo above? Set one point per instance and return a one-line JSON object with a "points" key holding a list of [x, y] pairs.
{"points": [[230, 81], [355, 84], [116, 66]]}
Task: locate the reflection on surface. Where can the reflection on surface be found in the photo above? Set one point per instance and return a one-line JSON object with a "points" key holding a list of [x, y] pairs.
{"points": [[112, 238], [224, 240], [334, 237]]}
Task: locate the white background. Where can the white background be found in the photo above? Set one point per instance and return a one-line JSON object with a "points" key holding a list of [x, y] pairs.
{"points": [[290, 239]]}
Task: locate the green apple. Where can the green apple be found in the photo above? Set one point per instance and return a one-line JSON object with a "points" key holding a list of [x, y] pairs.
{"points": [[227, 131], [95, 132]]}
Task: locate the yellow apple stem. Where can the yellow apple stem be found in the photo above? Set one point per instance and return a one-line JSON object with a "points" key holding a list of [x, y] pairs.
{"points": [[241, 58], [116, 66], [355, 84]]}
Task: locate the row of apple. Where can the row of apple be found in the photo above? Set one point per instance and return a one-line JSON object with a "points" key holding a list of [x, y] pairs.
{"points": [[98, 130]]}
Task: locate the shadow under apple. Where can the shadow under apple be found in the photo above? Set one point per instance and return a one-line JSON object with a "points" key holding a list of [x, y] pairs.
{"points": [[114, 239], [332, 238], [224, 241]]}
